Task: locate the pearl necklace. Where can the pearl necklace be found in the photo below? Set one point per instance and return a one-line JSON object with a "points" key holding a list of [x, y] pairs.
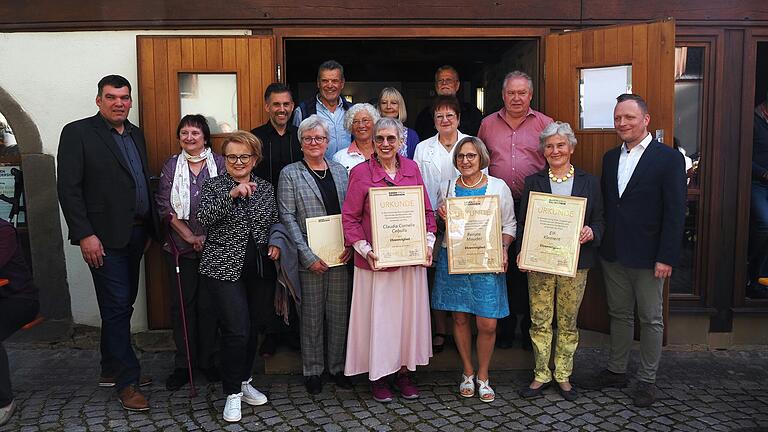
{"points": [[461, 177], [559, 179]]}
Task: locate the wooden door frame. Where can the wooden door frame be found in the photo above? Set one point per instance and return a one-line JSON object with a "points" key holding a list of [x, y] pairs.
{"points": [[281, 34], [752, 37]]}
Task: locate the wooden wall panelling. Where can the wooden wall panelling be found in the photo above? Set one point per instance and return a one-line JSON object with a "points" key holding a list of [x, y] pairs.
{"points": [[161, 59]]}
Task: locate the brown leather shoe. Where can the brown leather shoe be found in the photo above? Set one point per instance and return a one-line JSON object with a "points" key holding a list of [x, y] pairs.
{"points": [[132, 399]]}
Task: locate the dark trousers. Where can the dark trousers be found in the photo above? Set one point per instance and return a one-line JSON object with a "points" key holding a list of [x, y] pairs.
{"points": [[116, 284], [517, 293], [14, 313], [241, 315], [758, 228], [202, 325]]}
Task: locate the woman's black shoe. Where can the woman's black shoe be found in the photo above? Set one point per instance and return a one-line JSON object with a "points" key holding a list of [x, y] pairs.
{"points": [[342, 381], [528, 392], [177, 379], [570, 395], [438, 348], [313, 384]]}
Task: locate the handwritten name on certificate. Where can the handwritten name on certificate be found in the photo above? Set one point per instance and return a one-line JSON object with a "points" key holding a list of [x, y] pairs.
{"points": [[326, 238], [473, 231], [551, 235], [398, 225]]}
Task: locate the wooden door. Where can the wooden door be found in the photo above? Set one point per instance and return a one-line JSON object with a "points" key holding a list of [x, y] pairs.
{"points": [[161, 60], [650, 49]]}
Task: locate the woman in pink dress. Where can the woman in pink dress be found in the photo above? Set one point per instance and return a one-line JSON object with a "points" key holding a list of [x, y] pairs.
{"points": [[389, 324]]}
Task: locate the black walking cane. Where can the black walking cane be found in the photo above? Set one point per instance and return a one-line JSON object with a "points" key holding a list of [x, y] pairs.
{"points": [[176, 254]]}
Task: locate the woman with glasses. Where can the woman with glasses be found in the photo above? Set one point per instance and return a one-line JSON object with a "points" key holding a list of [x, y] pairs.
{"points": [[359, 121], [178, 199], [311, 188], [238, 209], [389, 320], [483, 295], [392, 105], [557, 141], [435, 159]]}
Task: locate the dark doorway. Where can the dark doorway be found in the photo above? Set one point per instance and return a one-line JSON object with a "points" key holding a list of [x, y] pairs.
{"points": [[409, 65]]}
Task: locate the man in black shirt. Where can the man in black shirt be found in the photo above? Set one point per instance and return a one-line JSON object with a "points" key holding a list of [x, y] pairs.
{"points": [[447, 84], [280, 147], [279, 138]]}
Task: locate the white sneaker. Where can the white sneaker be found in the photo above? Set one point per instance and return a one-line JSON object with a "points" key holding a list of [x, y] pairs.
{"points": [[232, 410], [6, 412], [251, 396]]}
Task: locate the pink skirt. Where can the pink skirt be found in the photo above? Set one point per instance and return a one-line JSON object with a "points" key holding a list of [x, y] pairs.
{"points": [[389, 324]]}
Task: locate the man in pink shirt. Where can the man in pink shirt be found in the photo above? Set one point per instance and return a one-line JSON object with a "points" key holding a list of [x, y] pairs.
{"points": [[512, 137]]}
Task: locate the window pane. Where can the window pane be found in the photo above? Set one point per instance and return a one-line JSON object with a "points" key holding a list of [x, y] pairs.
{"points": [[598, 89], [689, 76], [214, 95]]}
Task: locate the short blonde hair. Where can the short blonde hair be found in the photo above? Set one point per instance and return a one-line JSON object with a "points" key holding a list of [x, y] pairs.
{"points": [[247, 138], [391, 92]]}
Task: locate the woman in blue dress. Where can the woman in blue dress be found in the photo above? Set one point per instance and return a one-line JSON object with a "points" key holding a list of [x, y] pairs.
{"points": [[483, 295]]}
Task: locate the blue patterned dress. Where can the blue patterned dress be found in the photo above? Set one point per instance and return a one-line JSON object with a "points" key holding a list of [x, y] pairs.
{"points": [[481, 294]]}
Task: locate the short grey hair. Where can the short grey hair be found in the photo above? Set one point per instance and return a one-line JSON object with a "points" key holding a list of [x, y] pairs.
{"points": [[312, 122], [389, 123], [330, 65], [349, 117], [557, 128], [480, 147], [517, 75]]}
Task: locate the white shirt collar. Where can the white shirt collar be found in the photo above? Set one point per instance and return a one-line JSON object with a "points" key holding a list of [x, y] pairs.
{"points": [[644, 143]]}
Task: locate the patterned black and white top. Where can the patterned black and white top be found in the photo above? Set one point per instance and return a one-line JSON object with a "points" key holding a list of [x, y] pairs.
{"points": [[230, 222]]}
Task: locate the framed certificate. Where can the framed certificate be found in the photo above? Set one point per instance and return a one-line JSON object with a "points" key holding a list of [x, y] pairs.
{"points": [[326, 238], [551, 237], [473, 234], [398, 225]]}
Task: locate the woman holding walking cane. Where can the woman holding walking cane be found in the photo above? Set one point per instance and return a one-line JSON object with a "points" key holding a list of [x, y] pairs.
{"points": [[178, 198]]}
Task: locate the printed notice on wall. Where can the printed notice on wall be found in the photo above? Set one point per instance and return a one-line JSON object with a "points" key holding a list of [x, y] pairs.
{"points": [[7, 186]]}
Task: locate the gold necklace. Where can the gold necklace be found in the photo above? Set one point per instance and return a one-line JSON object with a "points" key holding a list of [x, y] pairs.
{"points": [[560, 179], [325, 172], [461, 177]]}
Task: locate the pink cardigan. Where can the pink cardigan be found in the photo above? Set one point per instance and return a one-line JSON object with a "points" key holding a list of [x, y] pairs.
{"points": [[356, 211]]}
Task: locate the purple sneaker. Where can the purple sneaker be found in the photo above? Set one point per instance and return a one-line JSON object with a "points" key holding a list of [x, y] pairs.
{"points": [[407, 388], [381, 391]]}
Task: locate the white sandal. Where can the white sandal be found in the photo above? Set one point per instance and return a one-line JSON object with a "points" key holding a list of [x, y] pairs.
{"points": [[486, 392], [467, 386]]}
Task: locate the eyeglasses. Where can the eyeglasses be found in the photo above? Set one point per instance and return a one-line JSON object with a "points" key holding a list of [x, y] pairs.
{"points": [[309, 139], [391, 139], [243, 158], [468, 156], [365, 121], [441, 117]]}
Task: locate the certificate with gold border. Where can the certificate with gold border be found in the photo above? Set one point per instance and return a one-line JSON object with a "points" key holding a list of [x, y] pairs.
{"points": [[473, 234], [551, 236], [325, 237], [398, 225]]}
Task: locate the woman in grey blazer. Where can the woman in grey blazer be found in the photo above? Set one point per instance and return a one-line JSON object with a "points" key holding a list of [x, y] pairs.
{"points": [[310, 188]]}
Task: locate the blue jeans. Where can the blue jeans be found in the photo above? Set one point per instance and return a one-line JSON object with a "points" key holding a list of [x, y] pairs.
{"points": [[117, 283], [758, 232]]}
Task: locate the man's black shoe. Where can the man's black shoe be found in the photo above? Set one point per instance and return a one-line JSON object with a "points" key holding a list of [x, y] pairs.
{"points": [[313, 384], [645, 394], [342, 381], [177, 379], [604, 379]]}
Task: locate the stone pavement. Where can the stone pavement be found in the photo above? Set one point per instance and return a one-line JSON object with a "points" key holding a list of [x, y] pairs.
{"points": [[699, 390]]}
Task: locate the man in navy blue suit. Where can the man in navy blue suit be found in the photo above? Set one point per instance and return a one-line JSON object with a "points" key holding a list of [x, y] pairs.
{"points": [[644, 193]]}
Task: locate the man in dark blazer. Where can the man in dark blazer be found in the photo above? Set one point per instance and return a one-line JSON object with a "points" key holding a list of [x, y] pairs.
{"points": [[644, 191], [103, 185]]}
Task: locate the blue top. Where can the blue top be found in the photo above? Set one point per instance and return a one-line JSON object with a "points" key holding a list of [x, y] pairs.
{"points": [[481, 294]]}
